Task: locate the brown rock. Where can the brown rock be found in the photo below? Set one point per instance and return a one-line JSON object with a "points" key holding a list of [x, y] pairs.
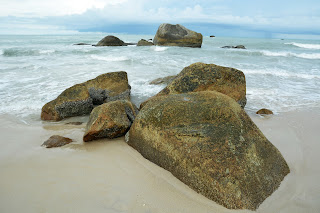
{"points": [[177, 35], [144, 42], [110, 41], [166, 80], [264, 112], [207, 141], [80, 98], [110, 120], [56, 141], [208, 77]]}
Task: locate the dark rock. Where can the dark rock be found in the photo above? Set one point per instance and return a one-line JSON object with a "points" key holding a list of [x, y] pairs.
{"points": [[235, 47], [264, 112], [76, 123], [143, 42], [110, 120], [208, 77], [177, 35], [82, 44], [207, 141], [79, 99], [166, 80], [56, 141], [110, 41], [212, 36]]}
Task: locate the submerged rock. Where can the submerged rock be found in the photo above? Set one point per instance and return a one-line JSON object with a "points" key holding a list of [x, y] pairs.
{"points": [[110, 41], [264, 112], [177, 35], [82, 44], [144, 42], [235, 47], [166, 80], [207, 141], [79, 99], [208, 77], [110, 120], [56, 141]]}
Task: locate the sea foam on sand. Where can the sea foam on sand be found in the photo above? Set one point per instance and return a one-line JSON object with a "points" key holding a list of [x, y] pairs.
{"points": [[110, 176]]}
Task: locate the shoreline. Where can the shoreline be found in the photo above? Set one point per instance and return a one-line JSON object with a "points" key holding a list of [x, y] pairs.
{"points": [[116, 178]]}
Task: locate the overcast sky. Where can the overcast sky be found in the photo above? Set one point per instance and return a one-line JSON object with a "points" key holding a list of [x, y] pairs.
{"points": [[63, 16]]}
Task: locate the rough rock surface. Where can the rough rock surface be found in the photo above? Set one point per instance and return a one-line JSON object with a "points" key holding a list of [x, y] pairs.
{"points": [[109, 87], [166, 80], [206, 140], [208, 77], [74, 101], [110, 120], [144, 42], [264, 112], [56, 141], [80, 98], [110, 41], [177, 35]]}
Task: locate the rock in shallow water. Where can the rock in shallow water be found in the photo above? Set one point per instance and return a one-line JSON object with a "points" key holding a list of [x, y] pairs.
{"points": [[206, 140], [264, 112], [110, 120], [177, 35], [56, 141], [110, 41]]}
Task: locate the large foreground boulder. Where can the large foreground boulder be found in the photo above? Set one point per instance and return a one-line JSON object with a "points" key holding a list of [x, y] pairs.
{"points": [[208, 77], [177, 35], [207, 141], [111, 40], [110, 120], [80, 98]]}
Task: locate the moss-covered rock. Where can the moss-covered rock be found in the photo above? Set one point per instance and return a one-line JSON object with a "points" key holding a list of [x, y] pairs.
{"points": [[207, 140], [110, 120], [80, 98], [208, 77], [177, 35]]}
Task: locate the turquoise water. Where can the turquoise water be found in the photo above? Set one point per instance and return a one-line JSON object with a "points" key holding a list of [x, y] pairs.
{"points": [[282, 75]]}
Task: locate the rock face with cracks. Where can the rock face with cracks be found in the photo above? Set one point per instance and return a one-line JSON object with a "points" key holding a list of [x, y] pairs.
{"points": [[208, 77], [80, 98], [110, 120], [177, 35], [207, 141]]}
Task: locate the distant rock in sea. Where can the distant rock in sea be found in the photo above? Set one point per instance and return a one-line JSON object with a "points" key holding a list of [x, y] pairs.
{"points": [[144, 42], [207, 141], [212, 36], [56, 141], [235, 47], [82, 44], [177, 35], [165, 80], [111, 40]]}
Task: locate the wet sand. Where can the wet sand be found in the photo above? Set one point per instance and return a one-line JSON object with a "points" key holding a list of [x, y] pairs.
{"points": [[110, 176]]}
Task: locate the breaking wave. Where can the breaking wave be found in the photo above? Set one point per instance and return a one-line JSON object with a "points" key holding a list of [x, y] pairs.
{"points": [[306, 46], [290, 54]]}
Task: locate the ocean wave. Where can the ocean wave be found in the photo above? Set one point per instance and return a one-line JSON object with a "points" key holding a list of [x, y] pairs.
{"points": [[290, 54], [280, 73], [25, 52], [110, 58], [159, 49], [306, 46]]}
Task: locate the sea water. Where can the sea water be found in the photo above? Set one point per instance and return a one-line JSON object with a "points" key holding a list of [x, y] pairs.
{"points": [[282, 75]]}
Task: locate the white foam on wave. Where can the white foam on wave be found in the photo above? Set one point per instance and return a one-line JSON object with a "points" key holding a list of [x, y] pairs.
{"points": [[1, 52], [279, 73], [290, 54], [306, 46], [110, 58], [159, 49], [46, 51]]}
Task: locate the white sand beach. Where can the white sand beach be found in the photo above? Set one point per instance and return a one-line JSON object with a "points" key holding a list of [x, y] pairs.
{"points": [[110, 176]]}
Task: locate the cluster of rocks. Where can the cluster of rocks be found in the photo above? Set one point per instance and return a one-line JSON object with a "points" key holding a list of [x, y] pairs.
{"points": [[195, 128]]}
